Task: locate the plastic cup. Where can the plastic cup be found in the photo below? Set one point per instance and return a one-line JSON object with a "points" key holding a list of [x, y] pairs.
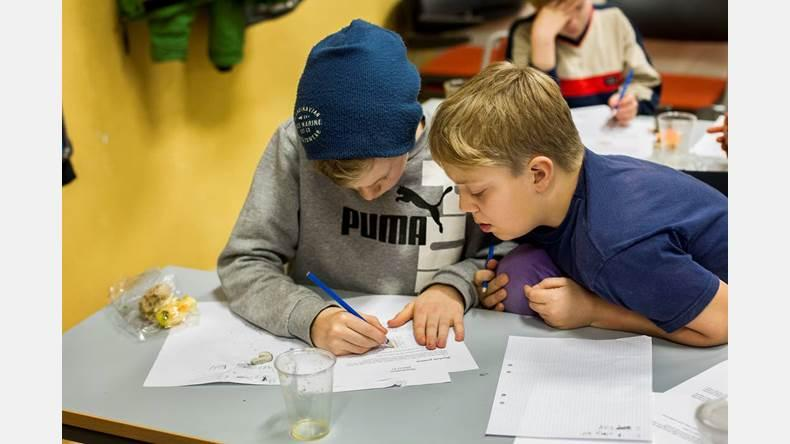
{"points": [[711, 417], [674, 132], [452, 85], [306, 381]]}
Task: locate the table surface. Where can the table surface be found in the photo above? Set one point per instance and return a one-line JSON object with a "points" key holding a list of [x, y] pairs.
{"points": [[686, 161], [104, 368]]}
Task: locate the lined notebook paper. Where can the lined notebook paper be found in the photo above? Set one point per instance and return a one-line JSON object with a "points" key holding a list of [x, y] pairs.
{"points": [[574, 388]]}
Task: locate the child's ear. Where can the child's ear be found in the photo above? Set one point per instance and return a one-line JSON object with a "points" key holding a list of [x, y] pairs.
{"points": [[541, 171]]}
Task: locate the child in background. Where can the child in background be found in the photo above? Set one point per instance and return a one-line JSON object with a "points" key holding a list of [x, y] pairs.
{"points": [[643, 246], [588, 49]]}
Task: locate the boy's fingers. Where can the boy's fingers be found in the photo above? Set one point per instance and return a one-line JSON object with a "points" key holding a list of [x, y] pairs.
{"points": [[375, 322], [419, 327], [483, 275], [349, 348], [491, 265], [499, 307], [444, 328], [402, 317], [492, 299], [353, 337], [536, 295], [365, 329], [431, 331], [458, 327], [552, 282], [500, 281], [537, 308]]}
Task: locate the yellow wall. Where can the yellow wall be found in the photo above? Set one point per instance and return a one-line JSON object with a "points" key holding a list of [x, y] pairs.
{"points": [[164, 153]]}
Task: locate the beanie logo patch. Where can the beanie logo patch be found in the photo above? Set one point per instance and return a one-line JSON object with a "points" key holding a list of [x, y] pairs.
{"points": [[308, 123]]}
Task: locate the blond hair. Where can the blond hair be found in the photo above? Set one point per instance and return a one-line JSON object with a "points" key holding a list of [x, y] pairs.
{"points": [[537, 4], [343, 172], [505, 116]]}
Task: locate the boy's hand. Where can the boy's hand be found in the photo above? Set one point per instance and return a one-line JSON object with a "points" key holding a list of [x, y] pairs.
{"points": [[496, 293], [434, 311], [627, 109], [342, 333], [562, 303], [723, 138], [552, 18]]}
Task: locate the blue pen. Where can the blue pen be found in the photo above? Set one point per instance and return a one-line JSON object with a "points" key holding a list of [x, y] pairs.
{"points": [[335, 296], [490, 256], [627, 82]]}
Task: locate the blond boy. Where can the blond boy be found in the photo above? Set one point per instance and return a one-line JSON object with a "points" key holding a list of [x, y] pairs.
{"points": [[644, 246]]}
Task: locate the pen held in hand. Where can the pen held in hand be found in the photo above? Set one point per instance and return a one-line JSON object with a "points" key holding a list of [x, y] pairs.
{"points": [[624, 87], [339, 300], [490, 256]]}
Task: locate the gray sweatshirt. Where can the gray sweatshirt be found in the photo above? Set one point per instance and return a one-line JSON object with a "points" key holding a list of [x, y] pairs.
{"points": [[296, 220]]}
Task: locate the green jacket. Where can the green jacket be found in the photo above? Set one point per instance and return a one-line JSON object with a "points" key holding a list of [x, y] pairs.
{"points": [[170, 21]]}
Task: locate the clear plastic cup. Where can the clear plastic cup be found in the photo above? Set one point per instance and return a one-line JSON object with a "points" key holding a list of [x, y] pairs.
{"points": [[306, 381], [452, 85], [674, 131], [711, 417]]}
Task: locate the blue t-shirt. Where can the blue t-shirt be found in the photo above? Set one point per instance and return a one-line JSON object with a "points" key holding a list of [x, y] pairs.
{"points": [[643, 236]]}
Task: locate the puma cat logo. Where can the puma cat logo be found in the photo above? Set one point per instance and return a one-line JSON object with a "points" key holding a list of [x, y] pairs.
{"points": [[407, 195]]}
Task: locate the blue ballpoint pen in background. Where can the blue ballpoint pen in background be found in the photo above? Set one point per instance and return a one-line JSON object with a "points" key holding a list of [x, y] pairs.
{"points": [[338, 299], [490, 256], [626, 82]]}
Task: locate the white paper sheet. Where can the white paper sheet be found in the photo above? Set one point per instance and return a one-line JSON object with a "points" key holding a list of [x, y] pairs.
{"points": [[707, 146], [673, 421], [574, 389], [635, 140], [456, 355], [220, 347]]}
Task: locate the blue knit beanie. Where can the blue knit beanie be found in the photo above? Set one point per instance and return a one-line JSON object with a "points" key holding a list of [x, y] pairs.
{"points": [[357, 97]]}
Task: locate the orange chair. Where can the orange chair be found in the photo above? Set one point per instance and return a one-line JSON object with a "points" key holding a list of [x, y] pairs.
{"points": [[690, 92], [461, 61]]}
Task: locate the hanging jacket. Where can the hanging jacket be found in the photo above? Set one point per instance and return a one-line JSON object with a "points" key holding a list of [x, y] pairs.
{"points": [[170, 22], [68, 170]]}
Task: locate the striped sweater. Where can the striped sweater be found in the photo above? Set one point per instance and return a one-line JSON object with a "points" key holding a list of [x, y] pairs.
{"points": [[589, 70]]}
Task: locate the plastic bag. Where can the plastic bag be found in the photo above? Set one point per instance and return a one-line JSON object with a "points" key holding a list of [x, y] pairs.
{"points": [[150, 303]]}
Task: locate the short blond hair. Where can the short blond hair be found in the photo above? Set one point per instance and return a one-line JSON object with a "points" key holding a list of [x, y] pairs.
{"points": [[537, 4], [505, 116], [343, 172]]}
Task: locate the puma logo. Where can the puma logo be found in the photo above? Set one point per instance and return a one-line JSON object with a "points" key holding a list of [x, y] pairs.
{"points": [[407, 195]]}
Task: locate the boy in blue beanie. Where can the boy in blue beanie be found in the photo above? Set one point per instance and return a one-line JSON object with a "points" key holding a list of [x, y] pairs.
{"points": [[347, 190]]}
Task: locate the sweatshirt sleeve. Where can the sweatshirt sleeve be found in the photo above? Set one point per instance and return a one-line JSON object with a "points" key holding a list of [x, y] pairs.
{"points": [[264, 239], [461, 274]]}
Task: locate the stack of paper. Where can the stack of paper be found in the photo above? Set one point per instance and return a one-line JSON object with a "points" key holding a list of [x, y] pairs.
{"points": [[220, 347], [574, 389], [674, 421]]}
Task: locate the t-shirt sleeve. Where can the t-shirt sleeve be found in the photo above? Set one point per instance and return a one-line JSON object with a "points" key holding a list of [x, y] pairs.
{"points": [[657, 278]]}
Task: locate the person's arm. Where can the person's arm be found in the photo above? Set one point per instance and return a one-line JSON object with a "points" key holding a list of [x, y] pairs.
{"points": [[264, 239], [563, 303], [652, 287], [646, 84], [549, 21], [709, 328]]}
